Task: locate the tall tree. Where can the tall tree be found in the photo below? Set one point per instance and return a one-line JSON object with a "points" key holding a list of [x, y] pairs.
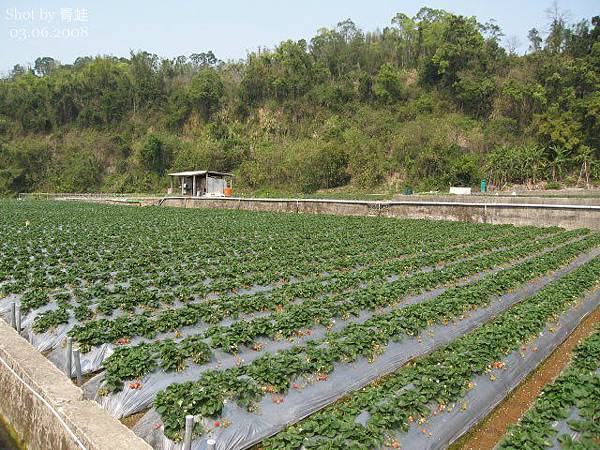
{"points": [[45, 65], [206, 90], [535, 40]]}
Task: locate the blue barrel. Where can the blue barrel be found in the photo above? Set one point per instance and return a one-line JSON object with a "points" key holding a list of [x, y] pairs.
{"points": [[483, 186]]}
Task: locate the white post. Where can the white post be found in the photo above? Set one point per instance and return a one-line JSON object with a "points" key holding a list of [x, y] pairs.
{"points": [[13, 317], [189, 428], [18, 319], [69, 356], [77, 358], [211, 444]]}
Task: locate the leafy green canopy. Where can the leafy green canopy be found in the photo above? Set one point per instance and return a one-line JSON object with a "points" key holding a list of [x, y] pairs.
{"points": [[430, 100]]}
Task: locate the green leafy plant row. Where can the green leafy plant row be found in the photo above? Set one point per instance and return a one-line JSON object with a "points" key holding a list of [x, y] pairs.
{"points": [[247, 303], [101, 331], [105, 258], [133, 362], [338, 272], [313, 312], [437, 382], [275, 373], [136, 361]]}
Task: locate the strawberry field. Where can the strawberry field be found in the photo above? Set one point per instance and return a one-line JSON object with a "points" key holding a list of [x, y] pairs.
{"points": [[294, 331]]}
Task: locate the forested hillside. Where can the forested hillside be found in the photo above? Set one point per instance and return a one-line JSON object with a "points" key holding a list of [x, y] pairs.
{"points": [[425, 102]]}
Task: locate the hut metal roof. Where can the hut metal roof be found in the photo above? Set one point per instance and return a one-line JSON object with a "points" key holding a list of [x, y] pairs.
{"points": [[192, 173]]}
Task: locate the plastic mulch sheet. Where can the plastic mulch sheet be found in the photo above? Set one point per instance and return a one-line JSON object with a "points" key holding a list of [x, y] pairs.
{"points": [[92, 360], [447, 427], [248, 428], [53, 341], [127, 402], [562, 427]]}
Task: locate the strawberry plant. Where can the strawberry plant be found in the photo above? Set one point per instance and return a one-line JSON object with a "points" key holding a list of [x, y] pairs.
{"points": [[578, 386], [296, 316]]}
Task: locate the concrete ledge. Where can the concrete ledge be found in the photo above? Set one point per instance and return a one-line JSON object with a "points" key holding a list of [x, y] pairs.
{"points": [[98, 430], [491, 198], [46, 409], [563, 215]]}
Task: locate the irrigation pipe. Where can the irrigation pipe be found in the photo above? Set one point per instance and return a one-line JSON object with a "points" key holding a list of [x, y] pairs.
{"points": [[60, 419]]}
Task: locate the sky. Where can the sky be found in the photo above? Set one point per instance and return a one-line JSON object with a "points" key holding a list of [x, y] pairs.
{"points": [[66, 29]]}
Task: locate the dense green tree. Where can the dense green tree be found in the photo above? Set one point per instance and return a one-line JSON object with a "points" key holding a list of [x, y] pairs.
{"points": [[17, 71], [293, 70], [388, 85], [104, 92], [206, 90], [203, 60], [461, 50], [154, 155], [148, 87]]}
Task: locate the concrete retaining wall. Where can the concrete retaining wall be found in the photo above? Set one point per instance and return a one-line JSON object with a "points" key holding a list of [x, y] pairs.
{"points": [[47, 410], [503, 214], [539, 214], [511, 199]]}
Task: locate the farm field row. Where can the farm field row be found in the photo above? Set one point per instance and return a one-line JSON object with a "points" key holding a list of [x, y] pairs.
{"points": [[430, 385], [567, 411], [253, 321]]}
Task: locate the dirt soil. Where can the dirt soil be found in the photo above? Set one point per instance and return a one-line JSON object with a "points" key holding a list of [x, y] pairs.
{"points": [[487, 434], [130, 421]]}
